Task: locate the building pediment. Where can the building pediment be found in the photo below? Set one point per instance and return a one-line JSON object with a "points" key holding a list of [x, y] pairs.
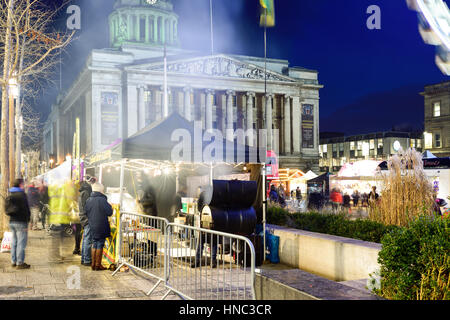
{"points": [[215, 66]]}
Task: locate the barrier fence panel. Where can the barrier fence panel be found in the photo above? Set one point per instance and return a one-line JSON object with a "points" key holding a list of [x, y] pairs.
{"points": [[209, 265], [141, 245]]}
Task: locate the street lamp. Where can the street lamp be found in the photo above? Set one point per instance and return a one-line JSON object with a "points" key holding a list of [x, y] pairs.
{"points": [[12, 94]]}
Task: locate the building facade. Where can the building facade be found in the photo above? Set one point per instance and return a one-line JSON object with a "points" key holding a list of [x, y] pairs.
{"points": [[437, 119], [336, 151], [120, 91]]}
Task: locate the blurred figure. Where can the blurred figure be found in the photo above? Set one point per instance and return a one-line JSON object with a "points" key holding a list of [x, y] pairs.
{"points": [[62, 201], [43, 203], [85, 192], [148, 202], [273, 194], [346, 202], [16, 207], [355, 197], [336, 200], [373, 195], [202, 201], [298, 196], [33, 202], [438, 204], [365, 200], [98, 210]]}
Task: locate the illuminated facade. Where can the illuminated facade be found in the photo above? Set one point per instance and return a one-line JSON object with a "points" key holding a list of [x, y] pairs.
{"points": [[336, 151], [437, 119], [121, 91]]}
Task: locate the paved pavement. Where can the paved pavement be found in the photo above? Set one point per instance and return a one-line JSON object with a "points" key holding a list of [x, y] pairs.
{"points": [[69, 280]]}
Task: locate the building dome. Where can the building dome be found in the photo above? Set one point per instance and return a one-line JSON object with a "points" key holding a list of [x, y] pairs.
{"points": [[143, 23]]}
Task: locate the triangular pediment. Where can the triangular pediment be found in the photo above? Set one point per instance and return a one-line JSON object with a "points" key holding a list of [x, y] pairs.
{"points": [[214, 66]]}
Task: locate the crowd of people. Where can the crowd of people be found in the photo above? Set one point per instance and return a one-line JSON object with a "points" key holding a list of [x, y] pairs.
{"points": [[343, 201], [57, 208]]}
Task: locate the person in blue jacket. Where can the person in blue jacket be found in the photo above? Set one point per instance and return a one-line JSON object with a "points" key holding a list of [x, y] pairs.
{"points": [[97, 211]]}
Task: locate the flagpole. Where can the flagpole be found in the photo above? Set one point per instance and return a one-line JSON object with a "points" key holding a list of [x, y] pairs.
{"points": [[265, 100], [211, 26], [166, 107]]}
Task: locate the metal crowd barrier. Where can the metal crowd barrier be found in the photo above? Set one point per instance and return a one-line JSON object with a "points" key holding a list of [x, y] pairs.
{"points": [[141, 242], [194, 275], [180, 256]]}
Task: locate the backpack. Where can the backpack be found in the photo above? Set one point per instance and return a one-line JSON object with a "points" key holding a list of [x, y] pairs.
{"points": [[11, 209]]}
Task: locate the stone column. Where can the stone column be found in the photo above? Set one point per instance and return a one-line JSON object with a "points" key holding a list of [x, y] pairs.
{"points": [[209, 109], [287, 124], [141, 110], [296, 123], [155, 29], [187, 103], [229, 127], [147, 29], [137, 28], [129, 27], [268, 102], [249, 125]]}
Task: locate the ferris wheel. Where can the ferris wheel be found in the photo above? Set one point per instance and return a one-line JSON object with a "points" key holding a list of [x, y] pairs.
{"points": [[434, 27]]}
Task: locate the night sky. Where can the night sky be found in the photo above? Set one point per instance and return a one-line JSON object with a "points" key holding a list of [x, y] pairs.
{"points": [[372, 78]]}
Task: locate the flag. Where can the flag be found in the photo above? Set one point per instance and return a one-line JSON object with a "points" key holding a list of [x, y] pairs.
{"points": [[267, 7]]}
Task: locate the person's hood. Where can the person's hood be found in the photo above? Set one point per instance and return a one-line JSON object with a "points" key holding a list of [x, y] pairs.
{"points": [[85, 187], [15, 189], [98, 194]]}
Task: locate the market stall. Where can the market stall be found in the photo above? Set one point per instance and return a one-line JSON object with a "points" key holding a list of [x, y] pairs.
{"points": [[358, 176], [174, 158]]}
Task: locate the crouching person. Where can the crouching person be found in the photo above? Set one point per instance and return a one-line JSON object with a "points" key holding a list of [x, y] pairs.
{"points": [[97, 211]]}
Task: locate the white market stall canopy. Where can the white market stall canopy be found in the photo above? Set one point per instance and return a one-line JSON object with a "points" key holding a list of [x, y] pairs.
{"points": [[358, 169]]}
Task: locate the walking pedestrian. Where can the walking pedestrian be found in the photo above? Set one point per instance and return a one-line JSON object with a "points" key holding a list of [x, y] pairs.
{"points": [[33, 202], [16, 207], [355, 197], [62, 201], [98, 210], [43, 203], [298, 195], [85, 192]]}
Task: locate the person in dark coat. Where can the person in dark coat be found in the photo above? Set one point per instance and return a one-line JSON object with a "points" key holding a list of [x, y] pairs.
{"points": [[85, 192], [16, 207], [98, 210], [33, 203]]}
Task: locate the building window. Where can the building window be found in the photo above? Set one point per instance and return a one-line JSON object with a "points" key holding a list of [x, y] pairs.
{"points": [[437, 109], [380, 143], [341, 149], [412, 144], [372, 144], [437, 140], [352, 145], [418, 143]]}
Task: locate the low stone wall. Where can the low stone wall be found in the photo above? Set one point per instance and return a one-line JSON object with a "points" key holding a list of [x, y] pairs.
{"points": [[332, 257]]}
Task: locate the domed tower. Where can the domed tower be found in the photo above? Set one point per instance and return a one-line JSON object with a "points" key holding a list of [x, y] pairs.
{"points": [[143, 22]]}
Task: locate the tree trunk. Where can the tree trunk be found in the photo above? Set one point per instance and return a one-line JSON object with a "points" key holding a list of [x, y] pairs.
{"points": [[4, 123]]}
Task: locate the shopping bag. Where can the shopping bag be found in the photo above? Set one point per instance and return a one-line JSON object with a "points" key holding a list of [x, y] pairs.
{"points": [[6, 242]]}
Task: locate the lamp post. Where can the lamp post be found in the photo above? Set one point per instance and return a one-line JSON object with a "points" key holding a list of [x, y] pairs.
{"points": [[12, 94]]}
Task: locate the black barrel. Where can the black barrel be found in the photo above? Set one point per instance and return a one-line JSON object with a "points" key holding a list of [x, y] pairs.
{"points": [[236, 221], [233, 194]]}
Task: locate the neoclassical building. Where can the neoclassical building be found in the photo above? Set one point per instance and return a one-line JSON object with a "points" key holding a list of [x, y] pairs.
{"points": [[120, 91]]}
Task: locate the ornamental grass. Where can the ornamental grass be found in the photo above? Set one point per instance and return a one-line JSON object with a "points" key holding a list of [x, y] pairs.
{"points": [[406, 191]]}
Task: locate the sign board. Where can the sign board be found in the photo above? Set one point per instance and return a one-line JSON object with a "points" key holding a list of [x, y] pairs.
{"points": [[308, 126], [109, 117]]}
